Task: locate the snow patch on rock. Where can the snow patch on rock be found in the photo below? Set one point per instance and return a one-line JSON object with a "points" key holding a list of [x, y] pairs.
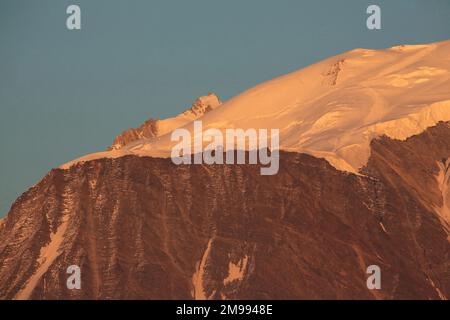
{"points": [[443, 179], [236, 272], [199, 292], [47, 256]]}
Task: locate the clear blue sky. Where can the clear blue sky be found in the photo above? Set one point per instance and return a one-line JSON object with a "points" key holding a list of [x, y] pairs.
{"points": [[67, 93]]}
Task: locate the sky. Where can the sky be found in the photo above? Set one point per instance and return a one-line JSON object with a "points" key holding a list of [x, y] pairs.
{"points": [[65, 93]]}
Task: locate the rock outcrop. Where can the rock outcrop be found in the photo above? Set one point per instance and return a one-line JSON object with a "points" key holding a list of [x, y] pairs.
{"points": [[154, 127]]}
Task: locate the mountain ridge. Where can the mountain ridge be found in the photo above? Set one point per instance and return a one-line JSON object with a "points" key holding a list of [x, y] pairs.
{"points": [[143, 228], [153, 128], [335, 107]]}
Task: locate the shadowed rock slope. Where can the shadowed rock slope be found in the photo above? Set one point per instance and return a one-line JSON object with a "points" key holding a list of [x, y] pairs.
{"points": [[144, 228]]}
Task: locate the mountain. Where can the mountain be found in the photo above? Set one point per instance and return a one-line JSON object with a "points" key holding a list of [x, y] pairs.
{"points": [[154, 128], [334, 108], [363, 180]]}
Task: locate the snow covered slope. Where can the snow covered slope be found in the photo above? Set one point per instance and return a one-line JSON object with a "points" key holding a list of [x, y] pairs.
{"points": [[334, 108]]}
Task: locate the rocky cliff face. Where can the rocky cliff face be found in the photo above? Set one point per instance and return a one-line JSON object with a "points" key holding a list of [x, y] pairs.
{"points": [[154, 127], [144, 228]]}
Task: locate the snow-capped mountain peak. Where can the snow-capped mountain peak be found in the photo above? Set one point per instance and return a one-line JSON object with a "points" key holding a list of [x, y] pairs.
{"points": [[334, 108]]}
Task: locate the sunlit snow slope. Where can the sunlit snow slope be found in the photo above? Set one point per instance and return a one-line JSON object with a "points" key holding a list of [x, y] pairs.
{"points": [[334, 108]]}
